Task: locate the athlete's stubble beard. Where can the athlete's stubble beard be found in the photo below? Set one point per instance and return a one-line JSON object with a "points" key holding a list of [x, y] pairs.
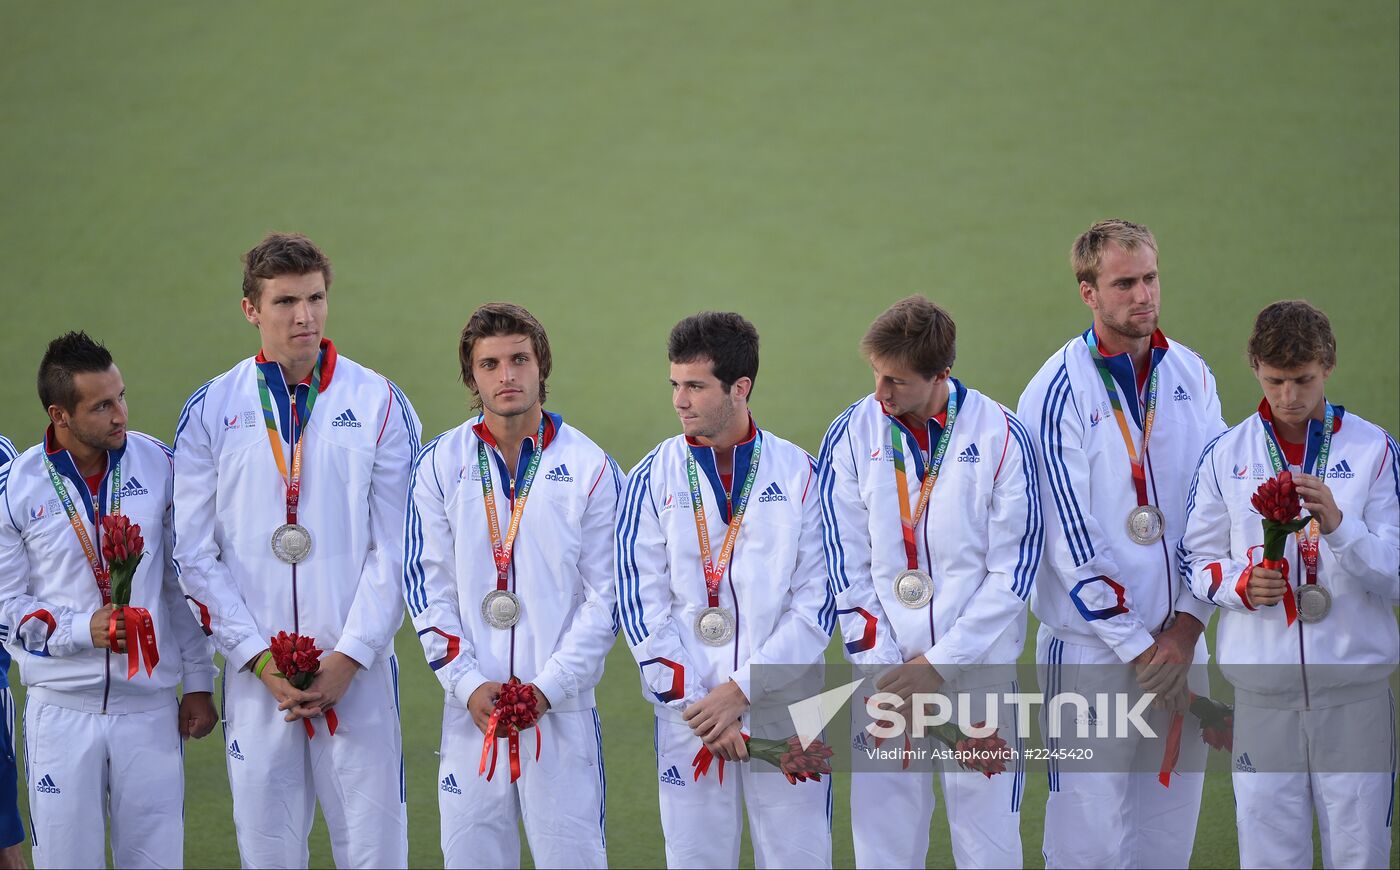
{"points": [[719, 422]]}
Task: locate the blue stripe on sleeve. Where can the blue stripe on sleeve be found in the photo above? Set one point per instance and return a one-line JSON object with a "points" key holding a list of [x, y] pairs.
{"points": [[629, 595], [1066, 505], [194, 400], [1033, 539], [826, 488], [414, 431], [413, 574]]}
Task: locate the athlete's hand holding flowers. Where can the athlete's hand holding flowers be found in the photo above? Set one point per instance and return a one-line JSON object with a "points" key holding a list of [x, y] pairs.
{"points": [[1278, 503]]}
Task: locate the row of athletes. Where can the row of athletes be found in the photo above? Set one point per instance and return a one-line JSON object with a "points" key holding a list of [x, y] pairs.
{"points": [[1111, 500]]}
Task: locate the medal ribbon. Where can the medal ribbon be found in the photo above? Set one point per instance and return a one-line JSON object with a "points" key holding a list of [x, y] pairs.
{"points": [[293, 478], [714, 571], [1148, 416], [501, 551], [94, 556], [906, 520], [1309, 537]]}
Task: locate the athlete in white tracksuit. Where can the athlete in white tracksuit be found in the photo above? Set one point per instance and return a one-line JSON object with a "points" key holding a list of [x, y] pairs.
{"points": [[1106, 597], [508, 574], [778, 613], [1314, 730], [357, 449], [97, 742], [980, 540], [1103, 598], [561, 572]]}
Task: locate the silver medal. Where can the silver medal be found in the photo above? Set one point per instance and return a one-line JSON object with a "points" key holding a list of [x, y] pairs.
{"points": [[291, 543], [500, 608], [1314, 603], [913, 588], [714, 626], [1146, 524]]}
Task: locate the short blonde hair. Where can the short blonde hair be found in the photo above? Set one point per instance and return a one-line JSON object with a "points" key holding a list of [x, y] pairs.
{"points": [[1087, 254]]}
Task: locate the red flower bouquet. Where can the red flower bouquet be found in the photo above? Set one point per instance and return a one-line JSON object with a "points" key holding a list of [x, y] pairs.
{"points": [[1278, 504], [516, 710], [986, 755], [123, 548], [297, 659], [798, 764]]}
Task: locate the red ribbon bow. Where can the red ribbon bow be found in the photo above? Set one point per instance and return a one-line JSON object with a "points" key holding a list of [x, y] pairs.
{"points": [[141, 647], [516, 709]]}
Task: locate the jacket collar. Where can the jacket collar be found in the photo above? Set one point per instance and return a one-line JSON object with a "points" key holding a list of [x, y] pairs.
{"points": [[1120, 365], [705, 460], [328, 361], [1266, 416], [552, 423], [277, 387], [935, 426], [63, 462]]}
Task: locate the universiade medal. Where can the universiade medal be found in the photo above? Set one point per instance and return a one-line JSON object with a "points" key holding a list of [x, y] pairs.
{"points": [[714, 626], [1314, 603], [913, 588], [1146, 524], [291, 543], [500, 608]]}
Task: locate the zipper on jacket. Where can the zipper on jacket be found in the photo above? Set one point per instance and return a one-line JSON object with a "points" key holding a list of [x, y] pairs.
{"points": [[1302, 652], [511, 500], [106, 680]]}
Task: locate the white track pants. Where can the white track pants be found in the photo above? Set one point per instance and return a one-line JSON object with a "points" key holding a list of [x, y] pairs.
{"points": [[277, 774], [789, 824], [1112, 812], [1274, 810], [891, 811], [561, 797], [83, 767]]}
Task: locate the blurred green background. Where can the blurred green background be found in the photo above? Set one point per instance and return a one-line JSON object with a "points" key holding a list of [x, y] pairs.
{"points": [[615, 166]]}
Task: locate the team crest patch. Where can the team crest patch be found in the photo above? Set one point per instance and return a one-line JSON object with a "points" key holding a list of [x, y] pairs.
{"points": [[47, 509], [1239, 472], [240, 420], [469, 472], [885, 453], [676, 499]]}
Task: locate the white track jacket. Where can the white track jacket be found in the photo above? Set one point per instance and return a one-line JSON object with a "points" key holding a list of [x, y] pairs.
{"points": [[1359, 562], [1097, 586], [561, 569], [48, 593], [230, 497], [775, 585], [980, 538]]}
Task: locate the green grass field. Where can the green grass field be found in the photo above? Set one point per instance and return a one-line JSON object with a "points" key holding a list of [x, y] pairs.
{"points": [[616, 165]]}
